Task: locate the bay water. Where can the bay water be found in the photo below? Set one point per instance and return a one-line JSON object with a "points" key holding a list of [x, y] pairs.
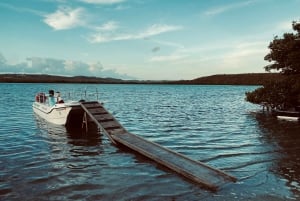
{"points": [[211, 124]]}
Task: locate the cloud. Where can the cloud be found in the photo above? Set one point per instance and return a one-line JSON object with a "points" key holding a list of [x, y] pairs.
{"points": [[75, 66], [2, 59], [243, 54], [44, 65], [225, 57], [65, 18], [155, 29], [103, 1], [108, 26], [38, 65], [226, 8], [94, 67]]}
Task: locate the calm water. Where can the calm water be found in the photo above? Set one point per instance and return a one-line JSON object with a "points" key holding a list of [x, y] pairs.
{"points": [[212, 124]]}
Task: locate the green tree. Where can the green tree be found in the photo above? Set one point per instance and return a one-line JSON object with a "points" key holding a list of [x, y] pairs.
{"points": [[285, 57], [285, 52]]}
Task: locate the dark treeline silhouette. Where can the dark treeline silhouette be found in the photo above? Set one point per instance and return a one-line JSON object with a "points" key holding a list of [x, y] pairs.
{"points": [[42, 78], [234, 79], [226, 79]]}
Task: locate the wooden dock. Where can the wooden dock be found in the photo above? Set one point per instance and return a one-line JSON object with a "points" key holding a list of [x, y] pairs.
{"points": [[195, 171]]}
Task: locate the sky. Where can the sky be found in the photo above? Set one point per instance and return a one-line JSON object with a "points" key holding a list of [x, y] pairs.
{"points": [[141, 39]]}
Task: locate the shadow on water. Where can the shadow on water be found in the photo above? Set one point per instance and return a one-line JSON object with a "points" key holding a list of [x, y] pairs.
{"points": [[73, 134], [285, 137], [80, 137]]}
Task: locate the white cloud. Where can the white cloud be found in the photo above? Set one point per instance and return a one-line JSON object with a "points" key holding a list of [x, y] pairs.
{"points": [[157, 29], [225, 8], [103, 1], [65, 18], [107, 36], [168, 43], [95, 67], [40, 65], [45, 65], [230, 58], [70, 66], [2, 59], [243, 54], [108, 26]]}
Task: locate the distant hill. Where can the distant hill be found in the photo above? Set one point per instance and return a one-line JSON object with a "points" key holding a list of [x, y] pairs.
{"points": [[40, 78], [226, 79], [234, 79]]}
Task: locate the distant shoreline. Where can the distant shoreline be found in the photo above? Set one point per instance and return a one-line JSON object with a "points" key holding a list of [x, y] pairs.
{"points": [[224, 79]]}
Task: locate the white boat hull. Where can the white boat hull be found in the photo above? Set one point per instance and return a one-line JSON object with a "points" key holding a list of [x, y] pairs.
{"points": [[288, 115], [288, 118], [58, 114]]}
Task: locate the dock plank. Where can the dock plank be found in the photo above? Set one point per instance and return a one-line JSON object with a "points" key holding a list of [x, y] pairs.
{"points": [[104, 117], [191, 169], [93, 104], [110, 125], [116, 131], [88, 107], [196, 171], [98, 111]]}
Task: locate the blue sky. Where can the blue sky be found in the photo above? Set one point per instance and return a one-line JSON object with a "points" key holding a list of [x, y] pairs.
{"points": [[141, 39]]}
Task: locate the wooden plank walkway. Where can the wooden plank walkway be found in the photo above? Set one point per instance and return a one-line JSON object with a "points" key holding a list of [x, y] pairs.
{"points": [[104, 120], [195, 171]]}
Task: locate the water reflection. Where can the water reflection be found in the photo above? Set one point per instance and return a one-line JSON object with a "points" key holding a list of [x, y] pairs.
{"points": [[285, 138], [73, 134], [81, 137], [77, 140]]}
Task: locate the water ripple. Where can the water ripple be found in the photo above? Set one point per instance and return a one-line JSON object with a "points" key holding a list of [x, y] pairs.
{"points": [[211, 124]]}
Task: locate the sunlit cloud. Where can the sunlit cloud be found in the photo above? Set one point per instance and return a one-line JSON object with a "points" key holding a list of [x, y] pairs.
{"points": [[65, 18], [95, 67], [236, 58], [108, 26], [52, 66], [168, 43], [106, 36], [2, 59], [226, 8], [157, 29], [245, 53]]}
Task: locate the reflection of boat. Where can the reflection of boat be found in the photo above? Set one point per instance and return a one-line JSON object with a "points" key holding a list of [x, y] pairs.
{"points": [[59, 113], [293, 115]]}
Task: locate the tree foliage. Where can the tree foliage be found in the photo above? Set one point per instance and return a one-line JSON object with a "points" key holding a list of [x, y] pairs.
{"points": [[285, 52], [285, 57], [277, 94]]}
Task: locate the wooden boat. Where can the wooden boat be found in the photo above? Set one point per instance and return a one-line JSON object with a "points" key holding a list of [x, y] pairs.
{"points": [[59, 113]]}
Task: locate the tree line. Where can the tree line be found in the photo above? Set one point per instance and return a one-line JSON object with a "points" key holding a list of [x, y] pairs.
{"points": [[225, 79], [284, 57]]}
